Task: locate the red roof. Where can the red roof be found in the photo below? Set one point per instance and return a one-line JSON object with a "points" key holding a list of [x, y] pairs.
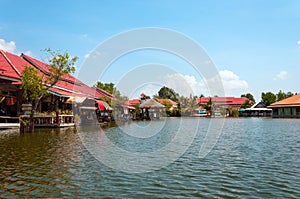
{"points": [[104, 93], [45, 68], [11, 67], [223, 100], [133, 102]]}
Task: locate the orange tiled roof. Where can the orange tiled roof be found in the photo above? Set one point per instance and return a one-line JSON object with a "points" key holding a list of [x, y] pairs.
{"points": [[291, 101]]}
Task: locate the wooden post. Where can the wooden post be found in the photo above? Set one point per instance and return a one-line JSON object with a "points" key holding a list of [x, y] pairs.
{"points": [[26, 126]]}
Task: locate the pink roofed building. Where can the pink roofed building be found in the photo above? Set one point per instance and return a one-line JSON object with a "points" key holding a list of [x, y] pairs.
{"points": [[11, 67], [225, 102]]}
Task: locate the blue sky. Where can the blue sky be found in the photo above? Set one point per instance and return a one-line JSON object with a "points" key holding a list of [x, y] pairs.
{"points": [[254, 44]]}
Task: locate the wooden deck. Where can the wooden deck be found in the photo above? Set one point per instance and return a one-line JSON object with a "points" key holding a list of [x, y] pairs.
{"points": [[8, 119], [9, 126], [53, 121], [7, 122], [42, 121]]}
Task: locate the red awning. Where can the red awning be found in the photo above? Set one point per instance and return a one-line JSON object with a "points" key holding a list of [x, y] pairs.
{"points": [[100, 105]]}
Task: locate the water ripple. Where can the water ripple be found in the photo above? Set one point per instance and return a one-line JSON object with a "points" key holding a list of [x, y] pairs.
{"points": [[254, 158]]}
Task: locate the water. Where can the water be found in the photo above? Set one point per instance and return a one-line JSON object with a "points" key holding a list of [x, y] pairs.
{"points": [[253, 158]]}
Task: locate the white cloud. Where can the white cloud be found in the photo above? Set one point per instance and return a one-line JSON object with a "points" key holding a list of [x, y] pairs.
{"points": [[298, 43], [232, 83], [86, 56], [12, 48], [28, 52], [7, 46], [226, 83], [281, 75], [182, 84], [149, 89]]}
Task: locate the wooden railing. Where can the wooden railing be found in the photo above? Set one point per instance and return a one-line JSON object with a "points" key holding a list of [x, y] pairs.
{"points": [[8, 119], [51, 120], [54, 121]]}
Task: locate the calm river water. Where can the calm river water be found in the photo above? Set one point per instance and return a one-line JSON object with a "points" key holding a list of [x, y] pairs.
{"points": [[253, 158]]}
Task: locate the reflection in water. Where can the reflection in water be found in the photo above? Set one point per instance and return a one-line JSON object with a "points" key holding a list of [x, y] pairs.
{"points": [[253, 158]]}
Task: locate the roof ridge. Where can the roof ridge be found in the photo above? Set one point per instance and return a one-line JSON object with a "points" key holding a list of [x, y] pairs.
{"points": [[10, 63], [29, 59], [23, 56]]}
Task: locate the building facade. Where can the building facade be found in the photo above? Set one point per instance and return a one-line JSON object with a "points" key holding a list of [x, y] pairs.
{"points": [[287, 108]]}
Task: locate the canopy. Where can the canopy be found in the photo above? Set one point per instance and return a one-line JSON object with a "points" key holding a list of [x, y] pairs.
{"points": [[103, 105], [75, 99], [151, 103], [100, 105]]}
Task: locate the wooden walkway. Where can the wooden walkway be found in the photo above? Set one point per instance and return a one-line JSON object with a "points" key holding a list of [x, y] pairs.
{"points": [[9, 126], [46, 121]]}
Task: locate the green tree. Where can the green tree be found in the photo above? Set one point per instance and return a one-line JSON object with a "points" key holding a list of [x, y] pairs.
{"points": [[110, 88], [209, 105], [32, 86], [60, 65], [168, 93], [233, 112], [282, 95], [289, 94], [249, 96], [247, 104], [35, 86], [186, 106], [192, 105], [268, 98]]}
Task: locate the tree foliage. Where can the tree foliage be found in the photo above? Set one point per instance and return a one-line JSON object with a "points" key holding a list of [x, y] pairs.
{"points": [[282, 95], [209, 105], [249, 96], [187, 105], [110, 88], [247, 104], [168, 93], [32, 84], [60, 65], [233, 112], [268, 98]]}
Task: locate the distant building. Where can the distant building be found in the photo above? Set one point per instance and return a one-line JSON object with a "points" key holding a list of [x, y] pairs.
{"points": [[168, 101], [133, 102], [225, 102], [287, 108], [257, 110], [200, 112]]}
